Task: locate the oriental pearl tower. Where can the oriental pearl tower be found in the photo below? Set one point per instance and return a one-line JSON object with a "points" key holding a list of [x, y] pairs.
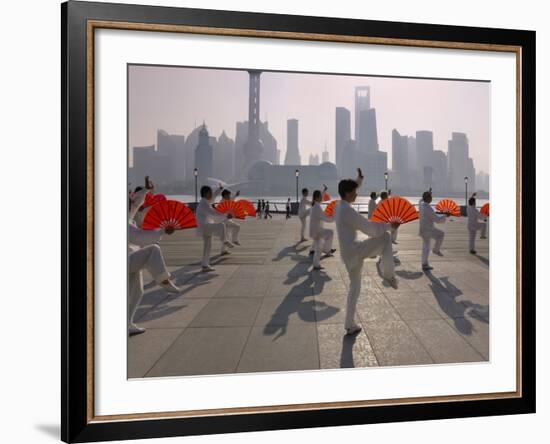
{"points": [[253, 147]]}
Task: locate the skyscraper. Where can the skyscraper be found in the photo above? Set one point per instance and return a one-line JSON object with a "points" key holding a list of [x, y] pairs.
{"points": [[326, 157], [400, 164], [253, 147], [362, 103], [459, 166], [204, 156], [224, 158], [424, 148], [314, 159], [292, 156], [343, 135], [367, 140]]}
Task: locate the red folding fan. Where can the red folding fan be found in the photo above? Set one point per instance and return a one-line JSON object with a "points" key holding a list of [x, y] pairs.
{"points": [[169, 214], [485, 210], [248, 207], [329, 210], [233, 207], [153, 199], [326, 197], [395, 210], [448, 206]]}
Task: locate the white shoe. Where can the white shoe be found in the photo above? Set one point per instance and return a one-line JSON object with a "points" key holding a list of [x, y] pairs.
{"points": [[437, 253], [353, 330], [236, 242], [225, 253], [392, 282], [170, 287], [427, 267], [133, 330], [228, 244], [207, 268]]}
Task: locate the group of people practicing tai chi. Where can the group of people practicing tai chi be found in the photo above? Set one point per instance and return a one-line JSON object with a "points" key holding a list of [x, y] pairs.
{"points": [[145, 254]]}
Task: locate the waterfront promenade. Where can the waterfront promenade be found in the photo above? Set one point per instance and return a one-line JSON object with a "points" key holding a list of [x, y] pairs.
{"points": [[264, 309]]}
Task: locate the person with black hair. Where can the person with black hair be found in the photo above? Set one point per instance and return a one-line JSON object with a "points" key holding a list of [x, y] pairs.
{"points": [[354, 252], [304, 211], [287, 208], [322, 237], [474, 224], [259, 209], [427, 231], [267, 211], [372, 204], [211, 223], [232, 228]]}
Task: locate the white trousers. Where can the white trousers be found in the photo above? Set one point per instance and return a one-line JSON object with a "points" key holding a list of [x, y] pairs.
{"points": [[303, 227], [427, 236], [394, 235], [354, 265], [472, 232], [322, 243], [148, 258], [208, 231], [232, 229]]}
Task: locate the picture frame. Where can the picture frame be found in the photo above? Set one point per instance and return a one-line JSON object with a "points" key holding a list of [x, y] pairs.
{"points": [[80, 20]]}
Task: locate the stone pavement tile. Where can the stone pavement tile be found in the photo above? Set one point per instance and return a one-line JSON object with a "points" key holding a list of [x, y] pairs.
{"points": [[172, 313], [284, 311], [293, 347], [475, 331], [330, 308], [299, 286], [230, 312], [413, 308], [442, 303], [338, 350], [326, 284], [150, 299], [243, 287], [394, 343], [203, 351], [251, 271], [477, 265], [203, 286], [145, 349], [374, 306], [443, 342]]}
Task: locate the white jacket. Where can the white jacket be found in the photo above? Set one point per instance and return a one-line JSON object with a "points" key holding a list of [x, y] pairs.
{"points": [[372, 207], [206, 214], [303, 210], [317, 217], [348, 222], [428, 217], [473, 217], [138, 198], [138, 238]]}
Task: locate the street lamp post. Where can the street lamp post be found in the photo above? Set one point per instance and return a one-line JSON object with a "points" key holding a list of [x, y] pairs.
{"points": [[196, 174], [297, 177], [466, 190], [386, 179]]}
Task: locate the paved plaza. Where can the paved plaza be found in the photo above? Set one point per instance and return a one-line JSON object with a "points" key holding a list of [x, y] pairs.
{"points": [[264, 309]]}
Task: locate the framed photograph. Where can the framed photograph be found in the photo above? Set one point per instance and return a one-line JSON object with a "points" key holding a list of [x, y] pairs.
{"points": [[275, 221]]}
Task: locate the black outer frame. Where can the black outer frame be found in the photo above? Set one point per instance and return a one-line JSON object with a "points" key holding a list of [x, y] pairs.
{"points": [[74, 423]]}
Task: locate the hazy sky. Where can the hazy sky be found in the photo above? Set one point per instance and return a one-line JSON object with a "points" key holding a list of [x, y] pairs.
{"points": [[176, 99]]}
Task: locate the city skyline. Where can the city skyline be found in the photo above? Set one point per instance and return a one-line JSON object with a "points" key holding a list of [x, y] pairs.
{"points": [[175, 99]]}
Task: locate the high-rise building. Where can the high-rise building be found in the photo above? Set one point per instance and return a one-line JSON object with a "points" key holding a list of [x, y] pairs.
{"points": [[204, 156], [400, 164], [439, 167], [482, 181], [170, 156], [270, 153], [224, 158], [424, 148], [458, 154], [314, 159], [349, 160], [362, 103], [143, 165], [253, 148], [411, 153], [367, 141], [326, 157], [292, 156], [342, 133]]}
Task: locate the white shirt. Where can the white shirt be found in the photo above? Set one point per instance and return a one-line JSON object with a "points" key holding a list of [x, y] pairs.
{"points": [[138, 238], [473, 217], [138, 198], [303, 210], [206, 214], [316, 220], [427, 218], [348, 222], [372, 207]]}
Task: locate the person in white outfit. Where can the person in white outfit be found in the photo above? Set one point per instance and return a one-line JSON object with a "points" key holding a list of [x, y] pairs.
{"points": [[322, 237], [211, 223], [303, 213], [474, 224], [231, 226], [383, 196], [427, 230], [372, 204], [144, 253], [354, 252]]}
